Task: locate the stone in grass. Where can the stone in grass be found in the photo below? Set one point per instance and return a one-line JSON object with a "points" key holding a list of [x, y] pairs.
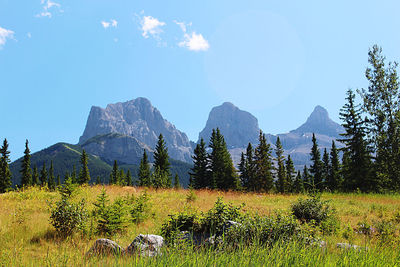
{"points": [[105, 246], [146, 245], [350, 246]]}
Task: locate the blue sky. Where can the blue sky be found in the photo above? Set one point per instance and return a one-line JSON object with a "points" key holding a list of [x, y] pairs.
{"points": [[275, 59]]}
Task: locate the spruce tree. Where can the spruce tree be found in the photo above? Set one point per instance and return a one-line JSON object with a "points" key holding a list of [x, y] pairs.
{"points": [[381, 101], [326, 166], [358, 173], [35, 176], [298, 184], [290, 174], [128, 178], [281, 182], [5, 173], [263, 165], [177, 185], [316, 167], [144, 171], [43, 175], [307, 179], [84, 175], [223, 172], [161, 163], [200, 176], [26, 171], [73, 175], [334, 181], [247, 169], [58, 180], [51, 182], [121, 177], [98, 181]]}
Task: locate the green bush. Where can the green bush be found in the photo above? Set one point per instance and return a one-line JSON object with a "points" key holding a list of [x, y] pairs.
{"points": [[312, 209], [183, 221]]}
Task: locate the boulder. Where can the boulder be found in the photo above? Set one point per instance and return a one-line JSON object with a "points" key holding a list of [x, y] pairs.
{"points": [[350, 246], [105, 246], [146, 245]]}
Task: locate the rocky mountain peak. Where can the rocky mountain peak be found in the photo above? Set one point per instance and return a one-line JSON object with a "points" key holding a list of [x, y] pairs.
{"points": [[238, 127], [139, 119], [319, 122]]}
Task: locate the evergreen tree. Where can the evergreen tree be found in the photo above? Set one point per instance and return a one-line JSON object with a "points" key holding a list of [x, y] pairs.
{"points": [[326, 166], [281, 181], [290, 174], [316, 167], [307, 179], [223, 172], [160, 179], [51, 182], [35, 176], [84, 175], [177, 185], [144, 171], [247, 169], [357, 174], [73, 175], [298, 184], [58, 180], [161, 162], [98, 181], [263, 165], [200, 176], [382, 104], [26, 171], [43, 175], [128, 178], [5, 173], [334, 181], [121, 177]]}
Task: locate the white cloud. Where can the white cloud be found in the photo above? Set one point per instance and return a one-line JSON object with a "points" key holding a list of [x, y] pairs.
{"points": [[4, 35], [48, 5], [194, 42], [29, 35], [183, 25], [151, 26], [106, 24]]}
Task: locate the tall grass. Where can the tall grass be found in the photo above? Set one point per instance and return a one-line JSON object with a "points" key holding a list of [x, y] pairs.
{"points": [[27, 238]]}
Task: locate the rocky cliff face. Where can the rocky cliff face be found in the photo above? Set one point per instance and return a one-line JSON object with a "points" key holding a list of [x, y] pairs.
{"points": [[114, 146], [237, 126], [139, 119]]}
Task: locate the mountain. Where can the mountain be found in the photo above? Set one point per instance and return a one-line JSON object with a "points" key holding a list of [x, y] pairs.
{"points": [[65, 156], [114, 146], [319, 122], [237, 126], [139, 119]]}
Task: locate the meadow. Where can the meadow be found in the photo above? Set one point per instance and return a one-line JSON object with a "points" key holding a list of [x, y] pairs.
{"points": [[28, 239]]}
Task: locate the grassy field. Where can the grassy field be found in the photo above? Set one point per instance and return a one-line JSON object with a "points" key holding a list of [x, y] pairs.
{"points": [[28, 239]]}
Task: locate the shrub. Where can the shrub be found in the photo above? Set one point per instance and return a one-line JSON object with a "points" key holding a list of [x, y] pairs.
{"points": [[183, 221], [312, 209], [67, 217]]}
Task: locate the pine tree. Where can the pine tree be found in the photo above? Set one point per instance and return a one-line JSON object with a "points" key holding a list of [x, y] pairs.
{"points": [[382, 104], [35, 176], [5, 173], [98, 181], [51, 182], [223, 172], [263, 165], [326, 166], [298, 184], [281, 182], [58, 180], [84, 175], [200, 176], [334, 181], [43, 175], [26, 171], [290, 174], [144, 171], [316, 167], [128, 178], [247, 169], [357, 174], [73, 175], [307, 179], [121, 177], [177, 185], [161, 162]]}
